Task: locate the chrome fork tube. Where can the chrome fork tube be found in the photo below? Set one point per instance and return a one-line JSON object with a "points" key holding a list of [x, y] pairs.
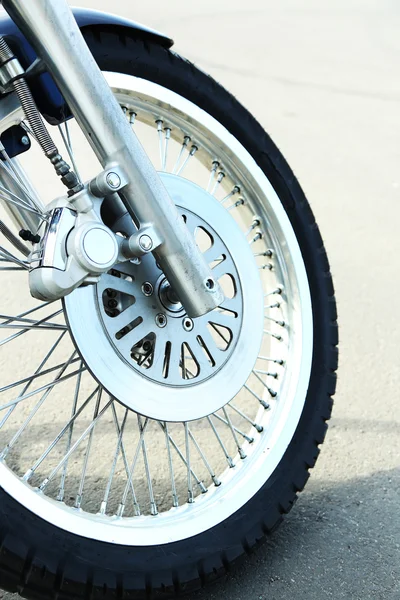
{"points": [[51, 29]]}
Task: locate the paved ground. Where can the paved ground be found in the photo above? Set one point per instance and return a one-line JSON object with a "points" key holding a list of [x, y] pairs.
{"points": [[323, 78]]}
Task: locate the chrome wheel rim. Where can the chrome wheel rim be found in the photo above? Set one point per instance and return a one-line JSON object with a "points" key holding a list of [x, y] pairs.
{"points": [[251, 441]]}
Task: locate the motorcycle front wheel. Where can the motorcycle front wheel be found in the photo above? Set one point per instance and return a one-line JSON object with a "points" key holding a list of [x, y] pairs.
{"points": [[142, 452]]}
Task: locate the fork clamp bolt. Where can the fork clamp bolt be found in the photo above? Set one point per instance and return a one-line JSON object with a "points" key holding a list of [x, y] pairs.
{"points": [[146, 243]]}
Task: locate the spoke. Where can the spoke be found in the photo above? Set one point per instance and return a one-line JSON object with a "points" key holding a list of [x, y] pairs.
{"points": [[235, 190], [210, 344], [67, 427], [268, 253], [216, 251], [237, 203], [78, 499], [17, 201], [13, 269], [34, 410], [159, 124], [185, 143], [199, 357], [257, 237], [188, 468], [268, 373], [48, 386], [44, 361], [9, 319], [15, 196], [201, 485], [218, 182], [192, 152], [175, 499], [278, 290], [274, 335], [233, 428], [280, 323], [237, 410], [221, 443], [204, 459], [121, 507], [213, 172], [153, 505], [275, 305], [254, 225], [29, 312], [27, 326], [167, 138], [103, 507], [54, 472], [68, 146], [7, 256], [274, 360], [15, 335], [126, 465], [217, 331], [163, 139], [29, 130], [31, 378], [70, 426], [271, 391], [253, 393], [8, 166]]}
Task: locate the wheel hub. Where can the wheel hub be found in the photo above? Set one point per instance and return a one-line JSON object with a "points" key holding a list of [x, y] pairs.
{"points": [[144, 349], [169, 299]]}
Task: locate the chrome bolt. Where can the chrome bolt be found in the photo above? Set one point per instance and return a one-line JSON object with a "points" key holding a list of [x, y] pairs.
{"points": [[147, 288], [113, 180], [25, 140], [161, 320], [210, 284], [187, 324], [147, 346], [146, 243]]}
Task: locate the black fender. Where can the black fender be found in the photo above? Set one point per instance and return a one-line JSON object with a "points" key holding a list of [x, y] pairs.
{"points": [[45, 92]]}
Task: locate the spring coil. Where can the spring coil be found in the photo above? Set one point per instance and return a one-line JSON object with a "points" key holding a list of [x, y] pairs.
{"points": [[5, 51], [33, 117], [28, 105]]}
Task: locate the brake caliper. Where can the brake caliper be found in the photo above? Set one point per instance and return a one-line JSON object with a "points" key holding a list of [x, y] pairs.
{"points": [[76, 247]]}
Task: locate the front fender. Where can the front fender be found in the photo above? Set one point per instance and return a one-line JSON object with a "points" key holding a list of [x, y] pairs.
{"points": [[46, 93]]}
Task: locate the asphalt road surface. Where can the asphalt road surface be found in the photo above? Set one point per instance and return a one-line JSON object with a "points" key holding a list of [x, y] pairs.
{"points": [[322, 76]]}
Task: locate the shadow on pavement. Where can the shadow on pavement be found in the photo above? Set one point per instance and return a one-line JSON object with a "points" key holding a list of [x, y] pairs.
{"points": [[340, 541]]}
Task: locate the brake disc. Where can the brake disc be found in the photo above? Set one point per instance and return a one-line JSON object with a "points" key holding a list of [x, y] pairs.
{"points": [[136, 339]]}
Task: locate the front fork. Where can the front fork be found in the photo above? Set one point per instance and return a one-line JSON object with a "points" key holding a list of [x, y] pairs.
{"points": [[50, 27]]}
